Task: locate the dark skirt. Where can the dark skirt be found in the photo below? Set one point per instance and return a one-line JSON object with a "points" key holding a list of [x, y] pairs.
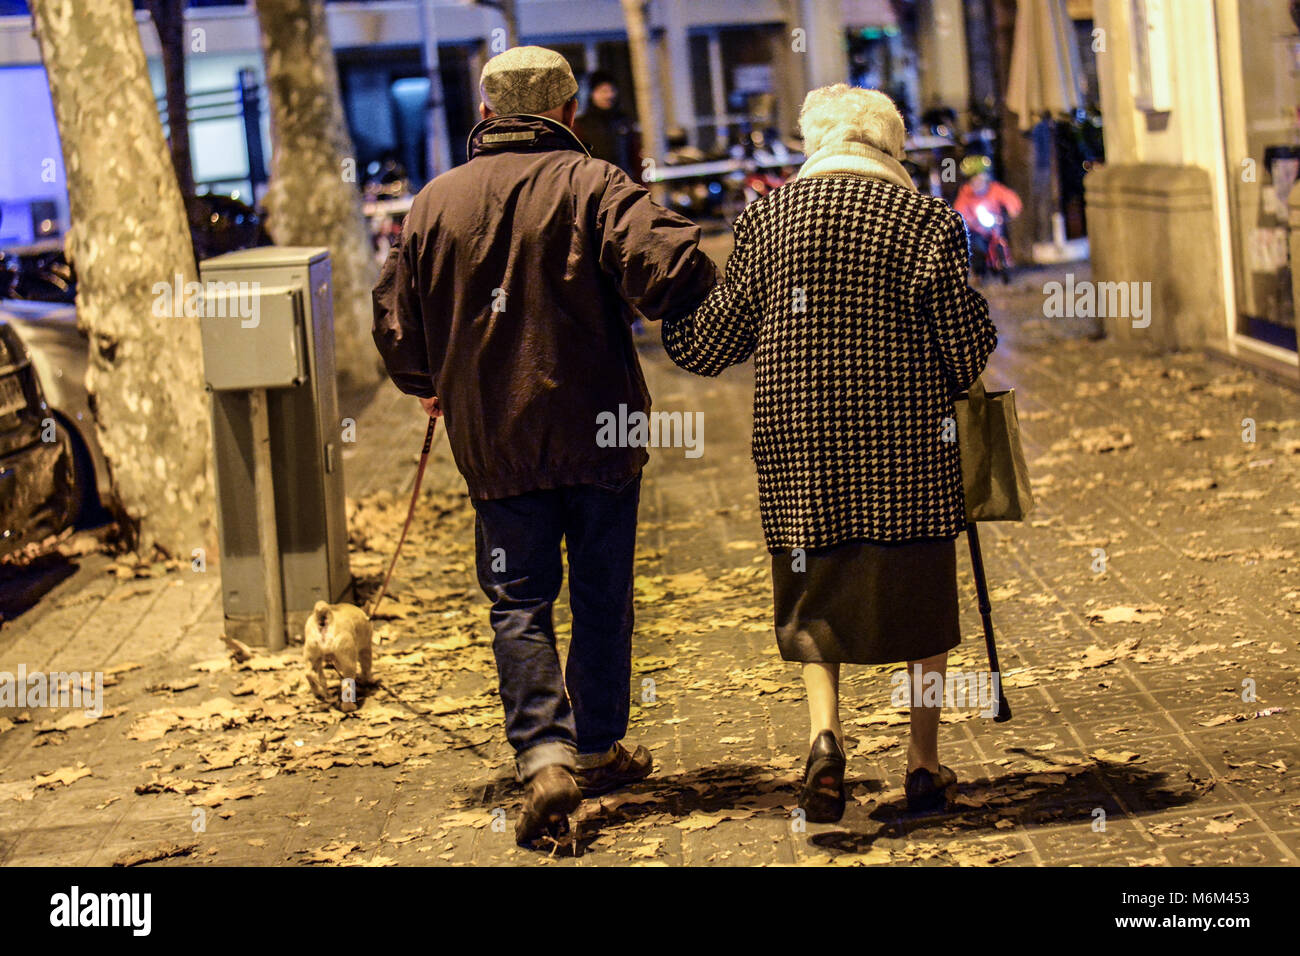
{"points": [[867, 603]]}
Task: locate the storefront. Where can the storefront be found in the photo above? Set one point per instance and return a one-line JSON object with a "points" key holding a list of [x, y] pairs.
{"points": [[1203, 147], [1259, 56]]}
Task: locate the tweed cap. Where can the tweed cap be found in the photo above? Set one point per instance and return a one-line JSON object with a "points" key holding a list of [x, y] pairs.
{"points": [[527, 79]]}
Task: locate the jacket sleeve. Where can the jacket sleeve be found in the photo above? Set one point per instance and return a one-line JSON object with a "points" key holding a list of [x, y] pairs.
{"points": [[723, 331], [958, 316], [652, 253], [399, 324]]}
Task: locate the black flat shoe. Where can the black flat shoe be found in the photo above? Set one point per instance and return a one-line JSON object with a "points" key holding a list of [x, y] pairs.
{"points": [[822, 798], [926, 791]]}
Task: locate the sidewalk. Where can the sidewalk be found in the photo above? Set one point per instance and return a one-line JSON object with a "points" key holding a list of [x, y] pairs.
{"points": [[1131, 742]]}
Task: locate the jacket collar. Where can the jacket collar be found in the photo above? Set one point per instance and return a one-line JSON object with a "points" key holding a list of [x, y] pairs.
{"points": [[519, 133], [857, 159]]}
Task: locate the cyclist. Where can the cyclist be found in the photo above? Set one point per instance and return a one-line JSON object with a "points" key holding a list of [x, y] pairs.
{"points": [[986, 205]]}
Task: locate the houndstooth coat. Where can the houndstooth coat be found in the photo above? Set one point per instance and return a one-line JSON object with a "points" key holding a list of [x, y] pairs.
{"points": [[851, 293]]}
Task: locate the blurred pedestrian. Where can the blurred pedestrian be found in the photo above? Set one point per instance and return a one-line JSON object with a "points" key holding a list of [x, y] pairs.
{"points": [[604, 127], [850, 290], [504, 309]]}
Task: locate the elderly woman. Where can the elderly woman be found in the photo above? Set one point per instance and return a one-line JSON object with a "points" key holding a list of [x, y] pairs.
{"points": [[850, 289]]}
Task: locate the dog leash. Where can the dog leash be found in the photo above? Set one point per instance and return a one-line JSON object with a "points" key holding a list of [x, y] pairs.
{"points": [[410, 513]]}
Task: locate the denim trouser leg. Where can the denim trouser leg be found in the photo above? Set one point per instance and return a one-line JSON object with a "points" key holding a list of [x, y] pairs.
{"points": [[519, 568], [600, 534]]}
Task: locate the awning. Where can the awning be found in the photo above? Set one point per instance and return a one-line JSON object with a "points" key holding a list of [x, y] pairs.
{"points": [[1045, 69]]}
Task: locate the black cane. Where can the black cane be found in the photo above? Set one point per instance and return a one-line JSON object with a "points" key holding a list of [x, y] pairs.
{"points": [[986, 614]]}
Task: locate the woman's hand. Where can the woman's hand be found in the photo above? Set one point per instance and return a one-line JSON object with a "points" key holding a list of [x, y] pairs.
{"points": [[431, 407]]}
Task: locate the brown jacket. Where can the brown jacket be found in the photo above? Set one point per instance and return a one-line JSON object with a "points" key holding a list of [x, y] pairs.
{"points": [[508, 299]]}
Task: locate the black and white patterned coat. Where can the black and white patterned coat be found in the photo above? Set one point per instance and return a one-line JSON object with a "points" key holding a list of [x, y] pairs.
{"points": [[851, 293]]}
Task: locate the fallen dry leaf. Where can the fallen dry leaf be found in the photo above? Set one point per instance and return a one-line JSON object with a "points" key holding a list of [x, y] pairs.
{"points": [[163, 851], [215, 796], [333, 852], [1115, 756], [65, 776], [1126, 615]]}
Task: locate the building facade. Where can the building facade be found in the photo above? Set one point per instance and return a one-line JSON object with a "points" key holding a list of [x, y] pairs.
{"points": [[720, 67], [1198, 196]]}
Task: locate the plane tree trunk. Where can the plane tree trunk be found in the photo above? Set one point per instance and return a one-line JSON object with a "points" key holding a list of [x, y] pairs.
{"points": [[314, 197], [128, 240]]}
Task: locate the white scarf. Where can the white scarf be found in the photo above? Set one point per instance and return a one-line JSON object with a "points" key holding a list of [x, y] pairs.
{"points": [[858, 159]]}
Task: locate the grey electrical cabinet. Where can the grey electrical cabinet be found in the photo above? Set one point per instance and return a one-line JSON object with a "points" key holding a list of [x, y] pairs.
{"points": [[268, 352]]}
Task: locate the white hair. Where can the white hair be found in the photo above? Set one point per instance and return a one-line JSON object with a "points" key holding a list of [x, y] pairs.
{"points": [[845, 114]]}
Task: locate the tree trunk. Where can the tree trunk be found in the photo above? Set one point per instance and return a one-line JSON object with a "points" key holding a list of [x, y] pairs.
{"points": [[169, 19], [638, 46], [313, 198], [128, 239]]}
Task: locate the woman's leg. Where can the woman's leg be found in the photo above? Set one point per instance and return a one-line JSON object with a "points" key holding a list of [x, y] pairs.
{"points": [[923, 748], [822, 682]]}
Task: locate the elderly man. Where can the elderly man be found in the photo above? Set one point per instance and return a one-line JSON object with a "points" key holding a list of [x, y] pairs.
{"points": [[506, 308]]}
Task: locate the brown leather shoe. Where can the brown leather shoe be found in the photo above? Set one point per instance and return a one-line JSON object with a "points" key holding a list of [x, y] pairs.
{"points": [[549, 797], [622, 768]]}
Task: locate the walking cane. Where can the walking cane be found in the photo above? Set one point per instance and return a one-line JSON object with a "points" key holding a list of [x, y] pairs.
{"points": [[986, 614]]}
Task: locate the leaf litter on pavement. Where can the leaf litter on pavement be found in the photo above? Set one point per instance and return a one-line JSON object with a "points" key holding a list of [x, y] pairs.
{"points": [[219, 736]]}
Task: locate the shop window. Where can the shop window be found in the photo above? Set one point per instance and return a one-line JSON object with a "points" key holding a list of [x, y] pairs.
{"points": [[1261, 179]]}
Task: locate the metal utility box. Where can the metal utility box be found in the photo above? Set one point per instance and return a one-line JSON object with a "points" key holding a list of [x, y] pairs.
{"points": [[268, 352], [253, 341]]}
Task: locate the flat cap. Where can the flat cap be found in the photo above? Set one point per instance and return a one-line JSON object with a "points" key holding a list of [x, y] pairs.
{"points": [[527, 79]]}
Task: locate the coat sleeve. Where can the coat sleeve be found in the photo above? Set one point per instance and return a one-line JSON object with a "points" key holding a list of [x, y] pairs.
{"points": [[399, 324], [723, 331], [958, 316], [652, 253]]}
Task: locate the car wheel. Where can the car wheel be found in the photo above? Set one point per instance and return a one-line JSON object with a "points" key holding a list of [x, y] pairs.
{"points": [[83, 498]]}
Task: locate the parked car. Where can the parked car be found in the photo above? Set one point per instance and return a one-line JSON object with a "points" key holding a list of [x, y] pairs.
{"points": [[59, 352], [40, 272], [41, 491], [47, 485]]}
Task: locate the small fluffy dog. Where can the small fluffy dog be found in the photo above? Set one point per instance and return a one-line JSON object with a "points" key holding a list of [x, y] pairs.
{"points": [[338, 635]]}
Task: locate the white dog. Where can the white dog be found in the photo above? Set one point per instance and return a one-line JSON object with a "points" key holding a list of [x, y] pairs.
{"points": [[338, 635]]}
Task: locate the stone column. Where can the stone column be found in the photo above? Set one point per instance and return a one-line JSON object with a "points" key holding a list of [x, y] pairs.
{"points": [[826, 60], [944, 73], [788, 79], [1154, 225], [675, 70]]}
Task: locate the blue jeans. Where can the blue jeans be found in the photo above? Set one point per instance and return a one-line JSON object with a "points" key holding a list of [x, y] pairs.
{"points": [[520, 569]]}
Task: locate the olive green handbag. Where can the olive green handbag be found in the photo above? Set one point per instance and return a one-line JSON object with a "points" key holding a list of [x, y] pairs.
{"points": [[994, 476]]}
